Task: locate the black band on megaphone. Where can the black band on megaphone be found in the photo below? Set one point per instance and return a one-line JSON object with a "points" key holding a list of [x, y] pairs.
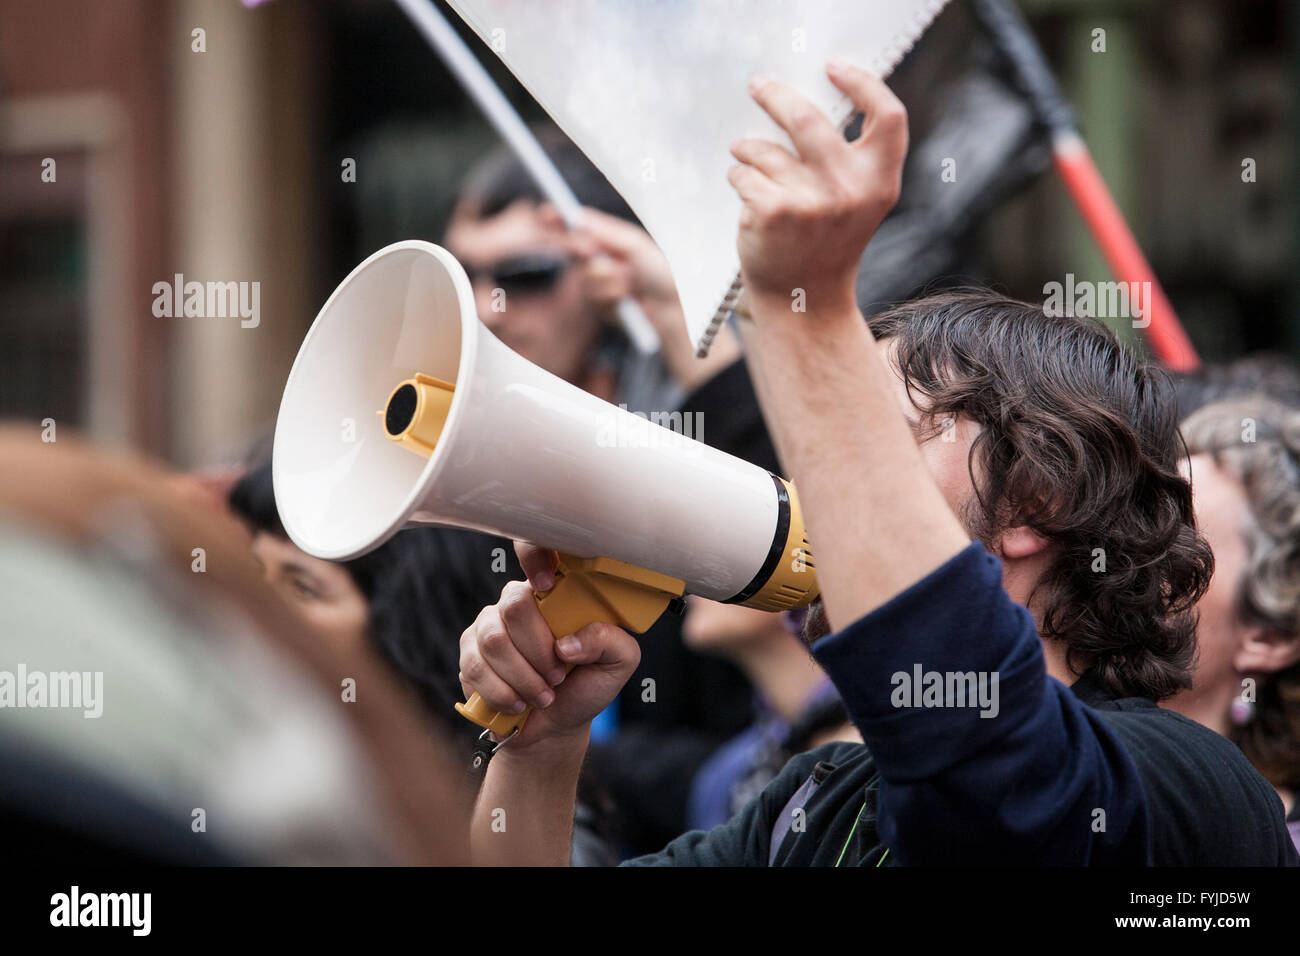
{"points": [[777, 549]]}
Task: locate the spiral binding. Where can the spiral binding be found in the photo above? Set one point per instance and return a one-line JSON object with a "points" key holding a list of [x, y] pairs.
{"points": [[882, 66]]}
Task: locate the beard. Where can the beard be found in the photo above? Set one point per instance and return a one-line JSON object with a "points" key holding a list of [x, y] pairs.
{"points": [[978, 526]]}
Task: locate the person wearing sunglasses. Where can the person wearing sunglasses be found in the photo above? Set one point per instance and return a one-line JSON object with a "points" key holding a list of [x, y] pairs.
{"points": [[549, 293]]}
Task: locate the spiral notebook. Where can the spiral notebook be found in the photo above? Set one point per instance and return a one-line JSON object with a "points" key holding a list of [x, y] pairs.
{"points": [[654, 91]]}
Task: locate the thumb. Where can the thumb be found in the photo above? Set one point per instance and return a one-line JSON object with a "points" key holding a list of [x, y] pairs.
{"points": [[538, 563]]}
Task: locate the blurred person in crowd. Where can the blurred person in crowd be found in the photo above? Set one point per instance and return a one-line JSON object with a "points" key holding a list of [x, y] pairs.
{"points": [[796, 706], [528, 278], [701, 700], [403, 601], [1245, 470], [223, 730], [1261, 373], [550, 293]]}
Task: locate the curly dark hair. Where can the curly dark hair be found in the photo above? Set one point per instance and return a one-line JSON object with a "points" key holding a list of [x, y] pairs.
{"points": [[1079, 441]]}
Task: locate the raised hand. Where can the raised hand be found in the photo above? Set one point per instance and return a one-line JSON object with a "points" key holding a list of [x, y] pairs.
{"points": [[808, 215]]}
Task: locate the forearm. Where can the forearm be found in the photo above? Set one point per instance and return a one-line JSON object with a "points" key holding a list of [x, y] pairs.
{"points": [[678, 349], [876, 520], [524, 812]]}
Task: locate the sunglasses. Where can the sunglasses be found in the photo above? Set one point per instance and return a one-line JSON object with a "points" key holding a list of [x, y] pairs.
{"points": [[530, 273]]}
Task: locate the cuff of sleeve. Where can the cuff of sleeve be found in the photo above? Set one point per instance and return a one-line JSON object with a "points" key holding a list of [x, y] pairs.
{"points": [[939, 670]]}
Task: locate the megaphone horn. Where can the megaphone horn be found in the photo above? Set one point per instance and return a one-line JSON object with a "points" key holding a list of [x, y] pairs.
{"points": [[472, 435]]}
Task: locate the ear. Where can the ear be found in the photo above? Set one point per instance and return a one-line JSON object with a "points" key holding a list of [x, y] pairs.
{"points": [[1266, 650], [1021, 541]]}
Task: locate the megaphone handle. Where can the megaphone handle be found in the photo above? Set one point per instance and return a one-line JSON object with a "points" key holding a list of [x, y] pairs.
{"points": [[587, 590]]}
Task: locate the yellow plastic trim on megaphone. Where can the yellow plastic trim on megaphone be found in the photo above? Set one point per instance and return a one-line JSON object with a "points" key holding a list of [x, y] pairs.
{"points": [[416, 412]]}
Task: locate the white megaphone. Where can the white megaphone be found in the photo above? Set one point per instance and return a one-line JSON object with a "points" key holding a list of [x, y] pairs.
{"points": [[403, 409]]}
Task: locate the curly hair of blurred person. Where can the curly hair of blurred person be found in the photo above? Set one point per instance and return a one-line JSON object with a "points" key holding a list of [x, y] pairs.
{"points": [[1252, 447]]}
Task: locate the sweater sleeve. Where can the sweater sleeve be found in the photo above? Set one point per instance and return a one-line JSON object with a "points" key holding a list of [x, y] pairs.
{"points": [[983, 757]]}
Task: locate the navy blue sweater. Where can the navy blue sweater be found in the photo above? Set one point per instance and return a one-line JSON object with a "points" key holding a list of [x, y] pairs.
{"points": [[1052, 775]]}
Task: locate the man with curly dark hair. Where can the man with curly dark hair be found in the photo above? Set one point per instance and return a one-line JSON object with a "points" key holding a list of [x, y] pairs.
{"points": [[1005, 549], [1075, 441]]}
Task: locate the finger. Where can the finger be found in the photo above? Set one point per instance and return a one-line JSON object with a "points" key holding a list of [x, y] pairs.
{"points": [[749, 183], [616, 236], [869, 94], [602, 644], [539, 564], [529, 631], [580, 245], [549, 215], [771, 159], [808, 128], [496, 647], [596, 232], [476, 677], [573, 238], [606, 278]]}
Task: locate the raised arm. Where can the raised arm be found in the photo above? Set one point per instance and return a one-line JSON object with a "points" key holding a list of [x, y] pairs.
{"points": [[902, 584], [823, 386]]}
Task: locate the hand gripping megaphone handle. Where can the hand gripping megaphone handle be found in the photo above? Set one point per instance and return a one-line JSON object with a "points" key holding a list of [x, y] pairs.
{"points": [[588, 590]]}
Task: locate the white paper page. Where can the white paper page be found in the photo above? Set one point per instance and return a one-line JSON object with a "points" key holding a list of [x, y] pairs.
{"points": [[654, 92]]}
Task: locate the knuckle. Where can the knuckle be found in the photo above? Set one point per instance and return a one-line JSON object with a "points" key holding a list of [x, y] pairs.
{"points": [[471, 667], [803, 117], [633, 647], [806, 208], [893, 116], [841, 201], [492, 642], [783, 210], [533, 687], [515, 598], [469, 637], [891, 190], [514, 592]]}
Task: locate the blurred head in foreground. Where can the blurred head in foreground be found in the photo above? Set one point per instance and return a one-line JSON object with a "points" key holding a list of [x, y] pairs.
{"points": [[406, 601], [171, 709]]}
